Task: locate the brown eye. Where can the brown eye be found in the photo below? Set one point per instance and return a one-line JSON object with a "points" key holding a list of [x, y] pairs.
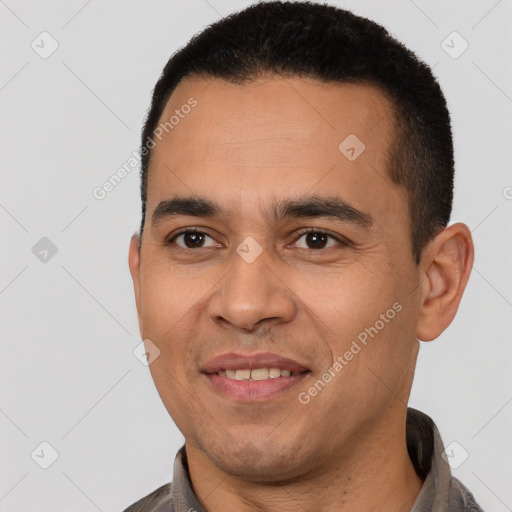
{"points": [[193, 240], [315, 240]]}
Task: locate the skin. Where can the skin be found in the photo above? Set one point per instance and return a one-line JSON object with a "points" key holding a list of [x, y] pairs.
{"points": [[246, 147]]}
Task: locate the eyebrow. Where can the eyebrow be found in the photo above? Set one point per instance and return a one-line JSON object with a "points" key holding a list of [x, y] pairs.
{"points": [[330, 207], [194, 206], [306, 207]]}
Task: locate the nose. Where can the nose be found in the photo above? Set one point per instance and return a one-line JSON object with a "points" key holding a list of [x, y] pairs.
{"points": [[251, 296]]}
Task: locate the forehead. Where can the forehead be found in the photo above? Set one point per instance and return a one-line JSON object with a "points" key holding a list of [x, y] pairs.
{"points": [[272, 136], [303, 108]]}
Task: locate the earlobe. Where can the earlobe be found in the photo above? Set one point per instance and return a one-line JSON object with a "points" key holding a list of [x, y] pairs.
{"points": [[134, 264], [448, 262]]}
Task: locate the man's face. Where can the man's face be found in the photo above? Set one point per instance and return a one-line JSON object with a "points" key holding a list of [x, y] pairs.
{"points": [[255, 290]]}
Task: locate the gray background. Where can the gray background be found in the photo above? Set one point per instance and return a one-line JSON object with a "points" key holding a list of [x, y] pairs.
{"points": [[68, 375]]}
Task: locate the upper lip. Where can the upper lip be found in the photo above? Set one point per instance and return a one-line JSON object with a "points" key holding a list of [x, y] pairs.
{"points": [[234, 361]]}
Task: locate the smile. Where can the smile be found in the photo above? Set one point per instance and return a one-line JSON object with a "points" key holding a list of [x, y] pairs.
{"points": [[253, 377], [256, 374]]}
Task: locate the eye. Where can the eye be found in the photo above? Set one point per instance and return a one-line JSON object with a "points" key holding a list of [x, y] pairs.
{"points": [[192, 239], [316, 239]]}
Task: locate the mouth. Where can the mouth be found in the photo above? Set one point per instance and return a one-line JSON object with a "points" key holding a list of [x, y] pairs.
{"points": [[256, 374], [253, 377]]}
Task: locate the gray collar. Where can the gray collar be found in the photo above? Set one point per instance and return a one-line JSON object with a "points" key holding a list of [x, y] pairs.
{"points": [[441, 492]]}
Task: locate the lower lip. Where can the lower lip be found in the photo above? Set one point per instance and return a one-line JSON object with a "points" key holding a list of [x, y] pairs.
{"points": [[253, 390]]}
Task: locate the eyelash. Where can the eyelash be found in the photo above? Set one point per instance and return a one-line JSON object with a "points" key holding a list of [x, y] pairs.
{"points": [[343, 242]]}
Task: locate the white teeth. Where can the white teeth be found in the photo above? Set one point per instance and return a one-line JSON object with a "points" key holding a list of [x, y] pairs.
{"points": [[243, 374], [259, 374], [273, 373], [256, 374]]}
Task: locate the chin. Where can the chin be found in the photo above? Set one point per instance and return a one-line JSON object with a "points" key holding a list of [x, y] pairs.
{"points": [[259, 460]]}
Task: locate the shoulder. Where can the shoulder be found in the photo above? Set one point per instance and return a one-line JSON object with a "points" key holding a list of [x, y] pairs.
{"points": [[157, 501], [462, 498]]}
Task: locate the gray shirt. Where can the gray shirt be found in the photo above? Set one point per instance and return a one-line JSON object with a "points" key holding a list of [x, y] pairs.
{"points": [[441, 492]]}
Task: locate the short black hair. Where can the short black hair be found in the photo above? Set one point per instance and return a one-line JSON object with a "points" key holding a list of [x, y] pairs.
{"points": [[328, 44]]}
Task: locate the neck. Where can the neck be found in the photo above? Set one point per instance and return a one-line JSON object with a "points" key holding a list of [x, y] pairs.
{"points": [[375, 473]]}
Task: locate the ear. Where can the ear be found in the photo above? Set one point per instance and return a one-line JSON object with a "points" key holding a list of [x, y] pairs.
{"points": [[134, 264], [446, 265]]}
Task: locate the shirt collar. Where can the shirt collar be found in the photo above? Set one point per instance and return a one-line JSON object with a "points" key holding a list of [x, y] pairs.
{"points": [[441, 492]]}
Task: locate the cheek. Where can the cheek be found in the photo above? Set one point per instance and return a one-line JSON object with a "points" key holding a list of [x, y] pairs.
{"points": [[170, 382], [167, 309], [365, 316], [348, 299], [166, 300]]}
